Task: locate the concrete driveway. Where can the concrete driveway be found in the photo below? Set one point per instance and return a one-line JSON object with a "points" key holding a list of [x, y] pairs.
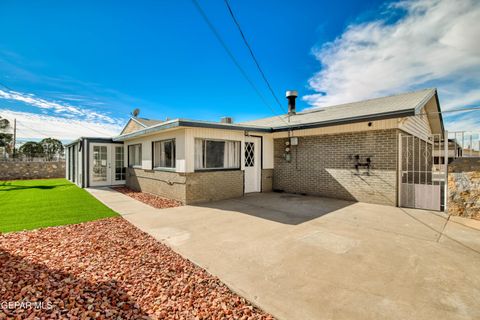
{"points": [[301, 257]]}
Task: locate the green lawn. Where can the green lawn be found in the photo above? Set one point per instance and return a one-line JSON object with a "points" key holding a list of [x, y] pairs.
{"points": [[31, 204]]}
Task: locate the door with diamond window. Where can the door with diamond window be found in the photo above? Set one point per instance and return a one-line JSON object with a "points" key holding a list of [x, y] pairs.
{"points": [[252, 163]]}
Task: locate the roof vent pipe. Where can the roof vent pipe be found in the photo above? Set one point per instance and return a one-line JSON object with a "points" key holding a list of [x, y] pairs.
{"points": [[291, 96]]}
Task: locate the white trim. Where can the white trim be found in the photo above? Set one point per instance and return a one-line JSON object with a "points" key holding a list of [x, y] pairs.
{"points": [[253, 174], [143, 125]]}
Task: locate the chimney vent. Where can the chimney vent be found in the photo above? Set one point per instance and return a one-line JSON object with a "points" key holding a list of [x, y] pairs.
{"points": [[291, 96], [226, 120]]}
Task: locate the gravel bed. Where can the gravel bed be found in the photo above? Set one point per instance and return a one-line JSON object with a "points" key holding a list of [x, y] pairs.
{"points": [[148, 198], [107, 269]]}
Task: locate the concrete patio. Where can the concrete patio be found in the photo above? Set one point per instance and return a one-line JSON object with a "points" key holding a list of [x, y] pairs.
{"points": [[300, 257]]}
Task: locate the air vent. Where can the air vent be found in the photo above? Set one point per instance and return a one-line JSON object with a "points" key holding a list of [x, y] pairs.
{"points": [[227, 120]]}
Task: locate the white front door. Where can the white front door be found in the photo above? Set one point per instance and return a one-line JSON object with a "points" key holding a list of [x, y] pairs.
{"points": [[252, 162], [106, 164]]}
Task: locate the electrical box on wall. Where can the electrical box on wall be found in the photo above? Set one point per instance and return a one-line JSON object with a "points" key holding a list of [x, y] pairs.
{"points": [[294, 141]]}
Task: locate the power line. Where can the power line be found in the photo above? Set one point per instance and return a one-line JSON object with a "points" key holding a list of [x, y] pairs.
{"points": [[253, 55], [232, 57], [451, 111], [34, 130]]}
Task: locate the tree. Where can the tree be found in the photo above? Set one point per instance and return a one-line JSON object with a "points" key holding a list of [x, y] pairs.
{"points": [[31, 149], [4, 124], [51, 147], [6, 138]]}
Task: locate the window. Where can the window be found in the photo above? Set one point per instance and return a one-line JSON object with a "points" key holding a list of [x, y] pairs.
{"points": [[135, 155], [249, 154], [164, 154], [119, 167], [73, 164], [217, 154]]}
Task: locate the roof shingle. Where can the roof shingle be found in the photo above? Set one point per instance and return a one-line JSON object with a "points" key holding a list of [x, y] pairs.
{"points": [[371, 107]]}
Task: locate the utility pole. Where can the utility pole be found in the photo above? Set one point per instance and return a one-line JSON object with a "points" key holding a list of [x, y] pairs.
{"points": [[14, 135]]}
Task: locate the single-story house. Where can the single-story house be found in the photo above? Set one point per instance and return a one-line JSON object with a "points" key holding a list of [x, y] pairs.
{"points": [[377, 151]]}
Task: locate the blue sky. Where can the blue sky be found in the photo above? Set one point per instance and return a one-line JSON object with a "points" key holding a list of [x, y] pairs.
{"points": [[79, 68]]}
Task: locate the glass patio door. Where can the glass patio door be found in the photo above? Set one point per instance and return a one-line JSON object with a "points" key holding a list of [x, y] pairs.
{"points": [[100, 171], [119, 170], [106, 164]]}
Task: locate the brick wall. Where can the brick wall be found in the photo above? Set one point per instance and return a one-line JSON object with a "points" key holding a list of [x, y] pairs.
{"points": [[324, 165], [464, 188], [188, 188], [214, 185], [13, 170], [163, 183], [267, 180]]}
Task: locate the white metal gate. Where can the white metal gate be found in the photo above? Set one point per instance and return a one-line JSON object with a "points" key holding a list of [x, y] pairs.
{"points": [[421, 180]]}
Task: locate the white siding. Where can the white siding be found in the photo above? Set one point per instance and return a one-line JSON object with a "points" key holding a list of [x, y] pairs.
{"points": [[267, 149], [344, 128], [418, 126], [185, 146], [180, 155], [207, 133], [234, 135]]}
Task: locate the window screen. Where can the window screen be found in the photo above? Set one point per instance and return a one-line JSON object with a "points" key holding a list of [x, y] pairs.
{"points": [[217, 154], [135, 155], [164, 154]]}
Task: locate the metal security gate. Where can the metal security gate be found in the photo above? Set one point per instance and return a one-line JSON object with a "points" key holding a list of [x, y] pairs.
{"points": [[421, 180]]}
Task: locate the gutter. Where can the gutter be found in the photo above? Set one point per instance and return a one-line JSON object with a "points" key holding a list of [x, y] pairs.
{"points": [[192, 124], [439, 111], [95, 139], [378, 116], [204, 124]]}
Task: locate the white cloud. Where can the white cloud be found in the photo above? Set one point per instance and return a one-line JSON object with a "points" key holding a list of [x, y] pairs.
{"points": [[60, 108], [436, 43], [56, 119], [35, 126], [464, 122], [38, 102]]}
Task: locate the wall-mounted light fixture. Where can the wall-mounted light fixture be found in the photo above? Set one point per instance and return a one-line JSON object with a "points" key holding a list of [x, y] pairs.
{"points": [[367, 164]]}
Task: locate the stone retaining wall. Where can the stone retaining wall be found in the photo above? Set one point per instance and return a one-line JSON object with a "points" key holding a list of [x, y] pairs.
{"points": [[464, 188], [31, 170]]}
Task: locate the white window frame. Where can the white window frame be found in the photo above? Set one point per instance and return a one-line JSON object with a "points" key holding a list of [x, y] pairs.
{"points": [[204, 155], [130, 165], [174, 154]]}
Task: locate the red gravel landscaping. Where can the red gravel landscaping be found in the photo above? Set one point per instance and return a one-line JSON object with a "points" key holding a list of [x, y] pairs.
{"points": [[148, 198], [107, 269]]}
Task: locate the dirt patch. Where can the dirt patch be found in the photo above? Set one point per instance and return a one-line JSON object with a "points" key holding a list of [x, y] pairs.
{"points": [[107, 269], [148, 198]]}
